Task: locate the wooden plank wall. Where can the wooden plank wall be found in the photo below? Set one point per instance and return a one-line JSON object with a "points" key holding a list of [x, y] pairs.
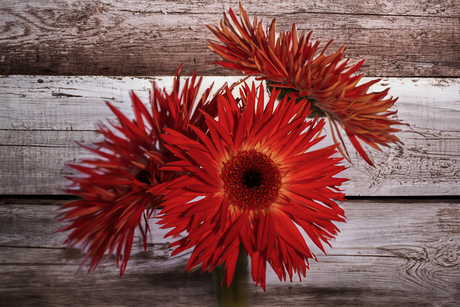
{"points": [[59, 60]]}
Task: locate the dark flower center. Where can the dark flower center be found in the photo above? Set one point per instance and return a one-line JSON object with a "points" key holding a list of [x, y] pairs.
{"points": [[143, 177], [251, 180]]}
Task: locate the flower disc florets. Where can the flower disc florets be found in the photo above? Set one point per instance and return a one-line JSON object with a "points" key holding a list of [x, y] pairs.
{"points": [[251, 180], [254, 182]]}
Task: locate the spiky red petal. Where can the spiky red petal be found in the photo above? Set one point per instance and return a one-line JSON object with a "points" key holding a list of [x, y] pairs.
{"points": [[218, 224], [121, 187], [292, 61]]}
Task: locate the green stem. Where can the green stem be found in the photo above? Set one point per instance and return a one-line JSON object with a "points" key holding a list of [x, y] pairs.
{"points": [[286, 91], [237, 293]]}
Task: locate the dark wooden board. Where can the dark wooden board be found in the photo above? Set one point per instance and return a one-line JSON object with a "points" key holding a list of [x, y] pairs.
{"points": [[139, 37], [389, 253]]}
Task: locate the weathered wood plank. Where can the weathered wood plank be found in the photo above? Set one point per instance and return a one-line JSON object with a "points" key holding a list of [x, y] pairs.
{"points": [[138, 37], [399, 222], [42, 116], [57, 285], [389, 253]]}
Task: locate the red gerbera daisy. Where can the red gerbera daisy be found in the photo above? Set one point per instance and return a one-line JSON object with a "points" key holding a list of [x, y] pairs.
{"points": [[259, 180], [291, 61], [114, 185]]}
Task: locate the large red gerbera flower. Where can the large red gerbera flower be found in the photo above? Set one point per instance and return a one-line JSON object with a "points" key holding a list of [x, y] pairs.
{"points": [[328, 81], [114, 185], [259, 180]]}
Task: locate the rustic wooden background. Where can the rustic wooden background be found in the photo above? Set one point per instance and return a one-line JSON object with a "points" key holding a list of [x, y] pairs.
{"points": [[59, 60]]}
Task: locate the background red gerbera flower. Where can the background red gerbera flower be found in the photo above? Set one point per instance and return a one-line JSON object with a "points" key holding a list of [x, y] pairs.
{"points": [[114, 184], [291, 61], [259, 181]]}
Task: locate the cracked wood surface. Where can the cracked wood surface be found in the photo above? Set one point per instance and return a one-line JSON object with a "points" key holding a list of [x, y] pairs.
{"points": [[140, 37], [388, 253], [41, 117]]}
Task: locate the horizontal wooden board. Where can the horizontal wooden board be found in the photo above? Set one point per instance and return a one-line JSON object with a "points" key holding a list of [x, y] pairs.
{"points": [[138, 37], [389, 253], [41, 117]]}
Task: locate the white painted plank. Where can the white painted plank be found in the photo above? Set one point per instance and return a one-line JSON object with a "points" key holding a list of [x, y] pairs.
{"points": [[42, 116]]}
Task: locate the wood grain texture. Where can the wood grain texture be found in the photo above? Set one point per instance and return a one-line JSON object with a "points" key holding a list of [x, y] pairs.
{"points": [[140, 37], [389, 253], [41, 117]]}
